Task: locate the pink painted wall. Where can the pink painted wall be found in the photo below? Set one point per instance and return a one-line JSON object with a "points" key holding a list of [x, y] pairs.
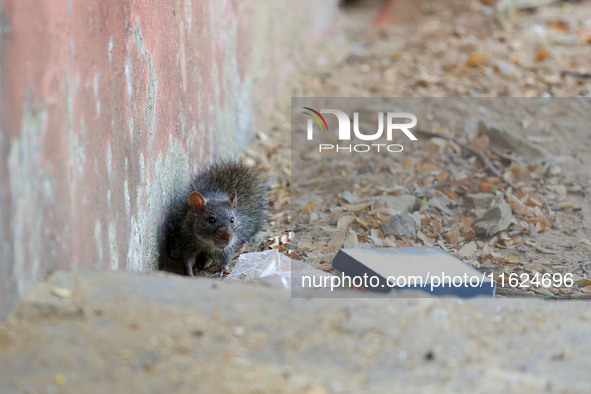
{"points": [[107, 106]]}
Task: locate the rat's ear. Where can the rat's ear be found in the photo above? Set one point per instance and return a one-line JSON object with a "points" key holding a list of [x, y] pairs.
{"points": [[233, 200], [196, 202]]}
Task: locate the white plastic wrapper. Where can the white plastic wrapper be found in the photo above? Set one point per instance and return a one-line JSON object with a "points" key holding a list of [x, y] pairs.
{"points": [[273, 268]]}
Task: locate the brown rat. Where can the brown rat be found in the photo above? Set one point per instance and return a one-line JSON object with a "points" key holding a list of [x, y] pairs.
{"points": [[224, 207]]}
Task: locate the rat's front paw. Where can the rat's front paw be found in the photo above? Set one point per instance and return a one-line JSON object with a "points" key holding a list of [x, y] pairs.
{"points": [[224, 270]]}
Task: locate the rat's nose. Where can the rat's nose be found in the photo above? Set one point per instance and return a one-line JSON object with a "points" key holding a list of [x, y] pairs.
{"points": [[224, 235]]}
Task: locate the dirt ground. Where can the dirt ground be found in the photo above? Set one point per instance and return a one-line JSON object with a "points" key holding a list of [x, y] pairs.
{"points": [[451, 49], [122, 332]]}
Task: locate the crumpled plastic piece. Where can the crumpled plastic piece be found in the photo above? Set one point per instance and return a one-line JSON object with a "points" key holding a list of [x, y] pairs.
{"points": [[271, 267]]}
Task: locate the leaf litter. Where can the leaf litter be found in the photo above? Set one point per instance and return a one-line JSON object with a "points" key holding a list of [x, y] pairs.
{"points": [[457, 175]]}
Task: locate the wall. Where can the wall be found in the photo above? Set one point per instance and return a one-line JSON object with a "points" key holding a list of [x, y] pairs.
{"points": [[107, 106]]}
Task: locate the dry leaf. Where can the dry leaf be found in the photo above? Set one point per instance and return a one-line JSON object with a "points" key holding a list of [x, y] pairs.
{"points": [[480, 143], [559, 189], [363, 222], [542, 54], [543, 291], [344, 222], [305, 244], [308, 208], [376, 233], [335, 243], [560, 26], [383, 212], [475, 59], [376, 236], [425, 239], [466, 224], [542, 261], [568, 205], [351, 241], [442, 176], [286, 238], [535, 201], [442, 245], [507, 267], [436, 226], [451, 194], [484, 186], [358, 207], [540, 223], [452, 237], [517, 206], [467, 250]]}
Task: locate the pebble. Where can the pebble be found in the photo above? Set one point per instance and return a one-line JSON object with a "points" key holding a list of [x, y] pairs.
{"points": [[494, 220], [507, 68], [239, 331], [61, 292], [400, 226]]}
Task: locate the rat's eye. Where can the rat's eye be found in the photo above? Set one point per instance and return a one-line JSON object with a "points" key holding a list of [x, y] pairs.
{"points": [[211, 220], [232, 220]]}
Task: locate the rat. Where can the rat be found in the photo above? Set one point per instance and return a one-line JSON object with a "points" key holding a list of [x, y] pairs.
{"points": [[223, 207]]}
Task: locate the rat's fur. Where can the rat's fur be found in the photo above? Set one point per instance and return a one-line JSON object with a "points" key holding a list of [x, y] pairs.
{"points": [[224, 207]]}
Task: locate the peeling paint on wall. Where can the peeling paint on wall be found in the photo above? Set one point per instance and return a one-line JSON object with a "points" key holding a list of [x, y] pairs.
{"points": [[26, 179], [98, 243], [150, 107], [113, 252], [106, 108]]}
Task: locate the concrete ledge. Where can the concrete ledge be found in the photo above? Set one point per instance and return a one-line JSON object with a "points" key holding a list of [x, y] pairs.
{"points": [[154, 332]]}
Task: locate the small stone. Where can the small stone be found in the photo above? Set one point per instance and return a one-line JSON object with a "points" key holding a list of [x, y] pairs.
{"points": [[538, 30], [403, 203], [239, 331], [555, 170], [61, 292], [507, 68], [479, 200], [551, 79], [349, 197], [494, 220], [399, 226], [351, 241]]}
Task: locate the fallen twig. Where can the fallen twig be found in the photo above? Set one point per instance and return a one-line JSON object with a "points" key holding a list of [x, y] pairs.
{"points": [[483, 158], [448, 182], [582, 265], [576, 74]]}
